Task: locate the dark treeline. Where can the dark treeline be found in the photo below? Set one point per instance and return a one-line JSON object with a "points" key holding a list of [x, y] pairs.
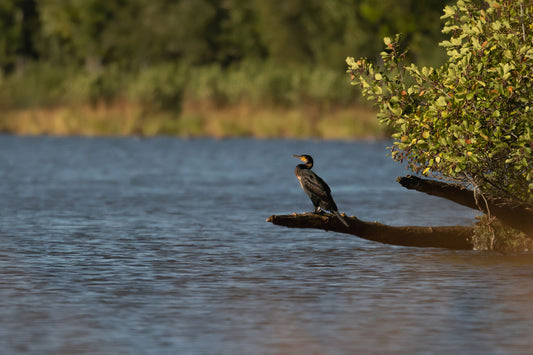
{"points": [[54, 52]]}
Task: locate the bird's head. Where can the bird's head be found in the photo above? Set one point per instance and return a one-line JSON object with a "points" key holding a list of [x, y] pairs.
{"points": [[307, 159]]}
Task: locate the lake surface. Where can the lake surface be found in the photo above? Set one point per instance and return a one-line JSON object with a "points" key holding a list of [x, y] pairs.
{"points": [[160, 246]]}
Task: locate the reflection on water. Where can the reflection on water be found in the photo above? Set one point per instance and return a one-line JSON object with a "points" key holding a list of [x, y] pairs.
{"points": [[161, 246]]}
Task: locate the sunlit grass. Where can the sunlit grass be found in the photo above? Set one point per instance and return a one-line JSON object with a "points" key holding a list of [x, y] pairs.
{"points": [[195, 120], [253, 99]]}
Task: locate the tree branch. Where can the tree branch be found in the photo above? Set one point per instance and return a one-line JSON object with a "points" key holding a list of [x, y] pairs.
{"points": [[452, 237], [515, 215]]}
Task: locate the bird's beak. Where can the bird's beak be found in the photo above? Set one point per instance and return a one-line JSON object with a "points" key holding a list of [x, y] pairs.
{"points": [[299, 157]]}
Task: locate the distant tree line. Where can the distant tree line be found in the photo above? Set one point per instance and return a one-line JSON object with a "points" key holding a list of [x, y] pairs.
{"points": [[133, 34], [170, 66]]}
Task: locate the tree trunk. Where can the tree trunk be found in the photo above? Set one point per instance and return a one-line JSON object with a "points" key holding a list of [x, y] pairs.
{"points": [[515, 215], [453, 237]]}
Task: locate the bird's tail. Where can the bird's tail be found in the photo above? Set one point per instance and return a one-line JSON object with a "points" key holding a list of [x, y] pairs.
{"points": [[340, 218]]}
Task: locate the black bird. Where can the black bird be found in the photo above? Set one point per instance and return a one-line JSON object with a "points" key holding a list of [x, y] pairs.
{"points": [[316, 188]]}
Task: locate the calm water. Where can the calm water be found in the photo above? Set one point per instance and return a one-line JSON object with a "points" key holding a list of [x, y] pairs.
{"points": [[160, 246]]}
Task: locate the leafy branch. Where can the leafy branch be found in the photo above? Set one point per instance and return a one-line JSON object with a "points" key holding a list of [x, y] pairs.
{"points": [[471, 118]]}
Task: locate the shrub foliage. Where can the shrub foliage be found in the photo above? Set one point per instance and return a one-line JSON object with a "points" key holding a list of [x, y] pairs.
{"points": [[471, 118]]}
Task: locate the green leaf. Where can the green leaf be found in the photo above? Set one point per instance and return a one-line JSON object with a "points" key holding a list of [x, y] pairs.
{"points": [[441, 101], [449, 11]]}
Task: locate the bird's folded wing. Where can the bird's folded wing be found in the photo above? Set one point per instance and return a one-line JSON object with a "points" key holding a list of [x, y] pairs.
{"points": [[315, 184]]}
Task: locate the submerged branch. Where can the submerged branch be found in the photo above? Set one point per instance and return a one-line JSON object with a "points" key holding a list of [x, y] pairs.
{"points": [[450, 237]]}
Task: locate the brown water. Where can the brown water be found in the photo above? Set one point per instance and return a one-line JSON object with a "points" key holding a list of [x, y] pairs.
{"points": [[160, 246]]}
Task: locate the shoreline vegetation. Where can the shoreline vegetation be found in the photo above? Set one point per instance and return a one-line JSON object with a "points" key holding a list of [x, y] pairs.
{"points": [[199, 68], [196, 120], [254, 100]]}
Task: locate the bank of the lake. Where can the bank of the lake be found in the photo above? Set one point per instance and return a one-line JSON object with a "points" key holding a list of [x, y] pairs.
{"points": [[196, 119], [249, 100]]}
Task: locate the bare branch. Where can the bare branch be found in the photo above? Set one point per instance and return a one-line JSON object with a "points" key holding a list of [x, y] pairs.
{"points": [[450, 237], [517, 215]]}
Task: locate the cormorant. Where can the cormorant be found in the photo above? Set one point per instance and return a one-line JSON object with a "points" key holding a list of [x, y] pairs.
{"points": [[315, 187]]}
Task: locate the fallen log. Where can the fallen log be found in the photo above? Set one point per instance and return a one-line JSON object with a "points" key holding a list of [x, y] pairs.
{"points": [[515, 215], [450, 237]]}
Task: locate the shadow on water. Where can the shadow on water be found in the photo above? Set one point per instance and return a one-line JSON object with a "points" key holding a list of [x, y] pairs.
{"points": [[116, 245]]}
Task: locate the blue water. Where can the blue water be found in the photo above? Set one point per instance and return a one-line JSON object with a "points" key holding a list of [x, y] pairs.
{"points": [[160, 246]]}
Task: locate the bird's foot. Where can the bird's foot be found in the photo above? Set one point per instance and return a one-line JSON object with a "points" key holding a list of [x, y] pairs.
{"points": [[319, 211]]}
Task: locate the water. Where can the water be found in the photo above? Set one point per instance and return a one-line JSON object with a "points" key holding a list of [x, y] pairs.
{"points": [[160, 246]]}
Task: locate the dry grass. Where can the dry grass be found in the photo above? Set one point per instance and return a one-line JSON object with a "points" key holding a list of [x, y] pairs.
{"points": [[195, 119], [274, 122], [87, 120]]}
